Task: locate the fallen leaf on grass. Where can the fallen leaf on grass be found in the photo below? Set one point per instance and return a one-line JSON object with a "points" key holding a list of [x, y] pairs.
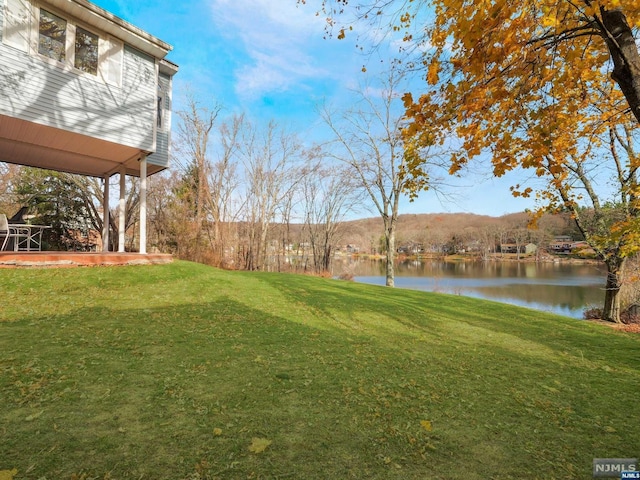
{"points": [[31, 418], [259, 445], [426, 424], [8, 474], [217, 432]]}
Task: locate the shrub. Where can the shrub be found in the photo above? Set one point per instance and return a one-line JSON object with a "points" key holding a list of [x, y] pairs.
{"points": [[349, 276], [628, 316], [592, 313], [631, 315]]}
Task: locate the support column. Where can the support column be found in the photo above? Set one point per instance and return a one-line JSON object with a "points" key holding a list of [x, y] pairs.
{"points": [[143, 205], [122, 206], [105, 216]]}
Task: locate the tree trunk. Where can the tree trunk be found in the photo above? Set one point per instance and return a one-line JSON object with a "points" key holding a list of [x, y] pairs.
{"points": [[615, 276], [390, 240], [326, 259], [625, 56]]}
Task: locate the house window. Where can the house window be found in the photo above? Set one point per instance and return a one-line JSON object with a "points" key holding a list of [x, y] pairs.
{"points": [[36, 30], [160, 110], [86, 51], [53, 33], [52, 37]]}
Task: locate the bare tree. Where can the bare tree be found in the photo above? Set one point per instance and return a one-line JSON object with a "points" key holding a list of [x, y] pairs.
{"points": [[368, 139], [91, 195], [328, 196], [8, 200], [519, 234], [286, 211], [160, 199], [269, 157], [194, 128], [224, 181], [486, 240]]}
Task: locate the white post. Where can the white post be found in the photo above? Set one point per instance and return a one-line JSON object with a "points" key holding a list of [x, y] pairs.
{"points": [[143, 205], [105, 215], [122, 206]]}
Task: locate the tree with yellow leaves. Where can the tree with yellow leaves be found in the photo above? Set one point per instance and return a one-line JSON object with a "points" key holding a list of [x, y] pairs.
{"points": [[547, 85]]}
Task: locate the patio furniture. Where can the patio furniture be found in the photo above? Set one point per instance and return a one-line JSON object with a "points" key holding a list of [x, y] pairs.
{"points": [[18, 234], [29, 237]]}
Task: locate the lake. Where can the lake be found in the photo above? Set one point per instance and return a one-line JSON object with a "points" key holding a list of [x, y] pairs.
{"points": [[562, 288]]}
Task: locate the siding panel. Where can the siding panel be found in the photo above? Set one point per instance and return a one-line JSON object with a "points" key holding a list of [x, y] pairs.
{"points": [[34, 90], [15, 23], [2, 21], [163, 138]]}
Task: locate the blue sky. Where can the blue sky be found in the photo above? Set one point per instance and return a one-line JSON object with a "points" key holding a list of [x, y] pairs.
{"points": [[268, 59]]}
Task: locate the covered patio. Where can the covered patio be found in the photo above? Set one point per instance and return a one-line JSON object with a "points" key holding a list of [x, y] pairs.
{"points": [[31, 144]]}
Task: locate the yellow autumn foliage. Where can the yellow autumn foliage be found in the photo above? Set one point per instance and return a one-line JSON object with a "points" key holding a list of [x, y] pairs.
{"points": [[546, 85], [259, 445], [8, 474]]}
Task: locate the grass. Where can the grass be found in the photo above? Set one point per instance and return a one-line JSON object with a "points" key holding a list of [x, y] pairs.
{"points": [[183, 371]]}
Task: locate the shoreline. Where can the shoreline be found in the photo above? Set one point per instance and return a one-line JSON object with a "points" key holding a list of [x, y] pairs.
{"points": [[507, 257]]}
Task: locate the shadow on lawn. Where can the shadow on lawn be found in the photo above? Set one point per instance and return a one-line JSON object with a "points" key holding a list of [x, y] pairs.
{"points": [[446, 316], [179, 371]]}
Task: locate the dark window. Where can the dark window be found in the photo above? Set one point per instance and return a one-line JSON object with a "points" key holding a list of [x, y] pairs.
{"points": [[52, 36], [160, 110], [86, 53]]}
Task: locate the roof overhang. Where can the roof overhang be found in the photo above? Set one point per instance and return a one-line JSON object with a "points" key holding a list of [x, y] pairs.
{"points": [[106, 21], [27, 143], [168, 68]]}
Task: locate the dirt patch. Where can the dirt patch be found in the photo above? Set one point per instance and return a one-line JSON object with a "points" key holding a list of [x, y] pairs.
{"points": [[623, 327]]}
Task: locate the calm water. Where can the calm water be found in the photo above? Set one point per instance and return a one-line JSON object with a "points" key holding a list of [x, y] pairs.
{"points": [[565, 289]]}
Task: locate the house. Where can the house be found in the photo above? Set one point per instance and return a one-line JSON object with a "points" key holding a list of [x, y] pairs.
{"points": [[472, 246], [528, 249], [508, 248], [83, 91], [561, 244], [410, 248], [352, 249]]}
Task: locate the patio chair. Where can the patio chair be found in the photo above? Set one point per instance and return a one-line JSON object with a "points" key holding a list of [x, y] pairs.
{"points": [[7, 231]]}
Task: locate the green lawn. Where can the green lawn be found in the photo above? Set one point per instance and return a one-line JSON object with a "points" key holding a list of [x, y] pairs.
{"points": [[183, 371]]}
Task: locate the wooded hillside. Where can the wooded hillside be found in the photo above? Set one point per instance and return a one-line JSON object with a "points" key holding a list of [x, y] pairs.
{"points": [[440, 228]]}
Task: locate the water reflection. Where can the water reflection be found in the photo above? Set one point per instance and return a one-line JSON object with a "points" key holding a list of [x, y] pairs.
{"points": [[562, 288]]}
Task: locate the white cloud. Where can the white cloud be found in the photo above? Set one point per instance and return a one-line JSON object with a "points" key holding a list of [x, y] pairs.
{"points": [[283, 43]]}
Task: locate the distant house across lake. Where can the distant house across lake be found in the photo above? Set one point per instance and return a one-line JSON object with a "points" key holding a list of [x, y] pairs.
{"points": [[561, 245], [527, 249]]}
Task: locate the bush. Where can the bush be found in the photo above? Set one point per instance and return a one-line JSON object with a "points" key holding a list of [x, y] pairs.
{"points": [[631, 315], [592, 313], [349, 276], [628, 316]]}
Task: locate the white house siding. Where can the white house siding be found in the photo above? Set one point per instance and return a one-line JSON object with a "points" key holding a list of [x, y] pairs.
{"points": [[163, 138], [2, 14], [33, 90], [140, 88]]}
